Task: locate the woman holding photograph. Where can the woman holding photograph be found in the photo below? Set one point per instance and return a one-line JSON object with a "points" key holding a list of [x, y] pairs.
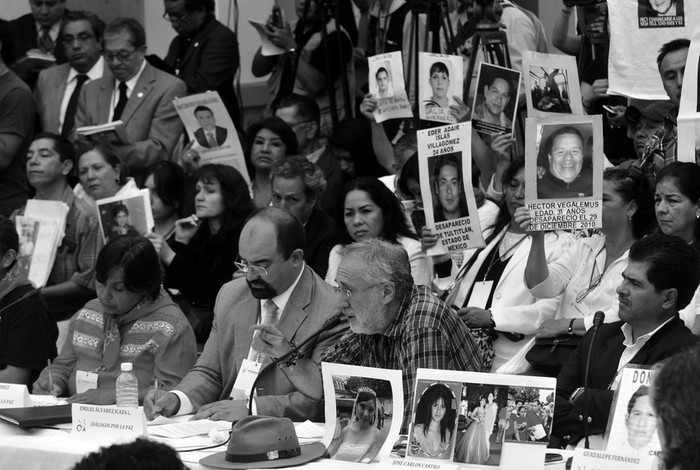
{"points": [[359, 441], [589, 271], [102, 174], [201, 257], [132, 320], [434, 423], [474, 446], [439, 80]]}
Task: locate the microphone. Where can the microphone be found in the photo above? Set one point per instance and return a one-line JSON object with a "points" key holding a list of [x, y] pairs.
{"points": [[598, 318], [291, 356]]}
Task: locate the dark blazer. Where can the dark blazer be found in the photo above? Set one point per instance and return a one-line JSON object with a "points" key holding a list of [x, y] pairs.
{"points": [[312, 301], [220, 136], [320, 240], [150, 120], [25, 37], [210, 62], [605, 356]]}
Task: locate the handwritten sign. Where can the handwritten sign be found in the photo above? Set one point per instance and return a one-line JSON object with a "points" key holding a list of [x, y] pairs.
{"points": [[444, 162], [14, 396], [92, 422]]}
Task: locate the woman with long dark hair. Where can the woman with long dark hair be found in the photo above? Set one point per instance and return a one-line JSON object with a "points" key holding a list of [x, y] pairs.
{"points": [[368, 209], [434, 424]]}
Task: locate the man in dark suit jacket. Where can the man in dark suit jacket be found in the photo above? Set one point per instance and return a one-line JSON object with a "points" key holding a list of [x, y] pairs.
{"points": [[661, 278], [82, 44], [297, 185], [151, 123], [208, 127], [271, 256], [204, 54], [40, 30]]}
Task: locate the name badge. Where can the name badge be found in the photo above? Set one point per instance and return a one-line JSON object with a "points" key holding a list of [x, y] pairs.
{"points": [[244, 380], [14, 396], [480, 294], [100, 423], [85, 381]]}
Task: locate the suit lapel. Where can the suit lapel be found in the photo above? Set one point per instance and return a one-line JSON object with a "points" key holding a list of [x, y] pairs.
{"points": [[294, 314], [104, 100], [143, 87]]}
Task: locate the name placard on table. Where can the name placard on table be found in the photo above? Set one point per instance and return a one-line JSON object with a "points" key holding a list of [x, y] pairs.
{"points": [[92, 422], [602, 460], [14, 396]]}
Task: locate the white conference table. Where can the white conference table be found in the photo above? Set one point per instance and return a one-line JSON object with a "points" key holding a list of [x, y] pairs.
{"points": [[56, 449]]}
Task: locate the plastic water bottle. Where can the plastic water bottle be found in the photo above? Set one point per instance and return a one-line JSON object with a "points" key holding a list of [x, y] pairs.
{"points": [[127, 387]]}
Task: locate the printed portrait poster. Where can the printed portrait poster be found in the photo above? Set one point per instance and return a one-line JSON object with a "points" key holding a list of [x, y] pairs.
{"points": [[211, 131], [496, 100], [564, 172], [638, 29], [366, 405], [552, 84], [125, 215], [387, 85], [445, 167], [440, 79], [688, 119], [632, 427], [486, 420]]}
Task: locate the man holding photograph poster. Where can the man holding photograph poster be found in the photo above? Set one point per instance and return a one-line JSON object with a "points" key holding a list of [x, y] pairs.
{"points": [[660, 280]]}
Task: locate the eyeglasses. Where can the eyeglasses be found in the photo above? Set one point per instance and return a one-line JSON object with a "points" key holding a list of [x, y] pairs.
{"points": [[347, 294], [245, 267], [176, 18], [121, 56], [82, 38]]}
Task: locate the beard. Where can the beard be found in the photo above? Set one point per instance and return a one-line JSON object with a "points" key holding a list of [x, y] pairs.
{"points": [[261, 289]]}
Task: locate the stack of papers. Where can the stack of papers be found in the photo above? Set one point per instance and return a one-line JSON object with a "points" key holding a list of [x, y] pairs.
{"points": [[41, 230]]}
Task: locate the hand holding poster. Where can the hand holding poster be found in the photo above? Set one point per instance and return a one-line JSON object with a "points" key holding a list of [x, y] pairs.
{"points": [[444, 163], [688, 147], [120, 215], [386, 84], [211, 131], [552, 84], [496, 100], [564, 172], [440, 80]]}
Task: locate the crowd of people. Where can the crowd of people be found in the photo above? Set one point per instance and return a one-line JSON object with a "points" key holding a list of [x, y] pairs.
{"points": [[331, 224]]}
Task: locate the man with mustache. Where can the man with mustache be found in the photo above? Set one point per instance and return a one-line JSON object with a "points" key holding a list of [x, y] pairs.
{"points": [[278, 290], [569, 172], [659, 280]]}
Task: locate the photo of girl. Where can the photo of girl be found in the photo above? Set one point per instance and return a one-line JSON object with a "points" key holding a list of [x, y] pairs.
{"points": [[434, 424]]}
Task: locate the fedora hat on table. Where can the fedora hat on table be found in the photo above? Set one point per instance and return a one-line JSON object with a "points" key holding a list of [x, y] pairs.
{"points": [[264, 442]]}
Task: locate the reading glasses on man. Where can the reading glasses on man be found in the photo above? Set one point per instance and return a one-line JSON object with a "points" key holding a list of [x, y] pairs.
{"points": [[245, 267], [347, 294], [121, 56], [175, 17]]}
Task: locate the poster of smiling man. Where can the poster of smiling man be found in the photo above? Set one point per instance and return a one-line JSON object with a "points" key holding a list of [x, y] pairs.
{"points": [[386, 84], [496, 102], [564, 172], [552, 84], [440, 80], [444, 164]]}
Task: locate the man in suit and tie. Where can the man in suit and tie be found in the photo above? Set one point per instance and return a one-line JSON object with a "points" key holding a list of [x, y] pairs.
{"points": [[38, 30], [660, 279], [138, 94], [209, 135], [278, 289], [58, 88]]}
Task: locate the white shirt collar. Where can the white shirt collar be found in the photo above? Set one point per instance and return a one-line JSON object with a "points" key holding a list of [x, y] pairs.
{"points": [[93, 74], [281, 299], [131, 83], [630, 341]]}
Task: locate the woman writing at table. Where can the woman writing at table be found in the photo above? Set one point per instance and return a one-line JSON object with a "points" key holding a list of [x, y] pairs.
{"points": [[132, 320]]}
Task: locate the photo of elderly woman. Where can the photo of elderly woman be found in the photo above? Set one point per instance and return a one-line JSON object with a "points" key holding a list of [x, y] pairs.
{"points": [[433, 428], [363, 418]]}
